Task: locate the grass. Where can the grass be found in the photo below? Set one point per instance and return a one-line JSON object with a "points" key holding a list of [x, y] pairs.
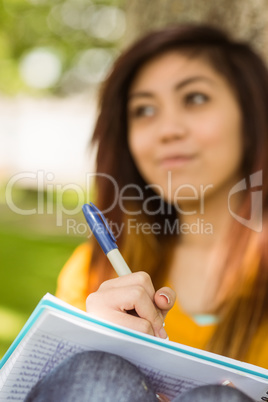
{"points": [[32, 252]]}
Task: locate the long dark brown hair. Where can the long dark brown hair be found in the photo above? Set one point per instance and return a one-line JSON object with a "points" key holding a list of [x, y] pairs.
{"points": [[247, 259]]}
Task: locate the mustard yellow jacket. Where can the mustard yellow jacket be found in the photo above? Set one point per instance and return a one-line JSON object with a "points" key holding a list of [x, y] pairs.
{"points": [[73, 288]]}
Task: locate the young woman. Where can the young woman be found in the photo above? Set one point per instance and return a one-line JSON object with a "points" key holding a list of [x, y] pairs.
{"points": [[183, 120], [182, 138]]}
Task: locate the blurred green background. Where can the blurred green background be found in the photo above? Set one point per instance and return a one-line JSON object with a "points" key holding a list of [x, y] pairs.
{"points": [[33, 251], [76, 39], [53, 56]]}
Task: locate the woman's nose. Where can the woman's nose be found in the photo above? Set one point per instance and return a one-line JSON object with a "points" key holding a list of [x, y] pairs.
{"points": [[171, 126]]}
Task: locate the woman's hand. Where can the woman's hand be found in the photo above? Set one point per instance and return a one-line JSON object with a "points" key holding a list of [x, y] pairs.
{"points": [[131, 301]]}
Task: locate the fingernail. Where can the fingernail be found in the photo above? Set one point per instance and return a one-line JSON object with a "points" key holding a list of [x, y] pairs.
{"points": [[166, 296], [162, 397], [228, 383]]}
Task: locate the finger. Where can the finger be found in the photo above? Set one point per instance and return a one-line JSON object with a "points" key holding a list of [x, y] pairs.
{"points": [[146, 309], [107, 301], [129, 321], [132, 321], [136, 278], [164, 299]]}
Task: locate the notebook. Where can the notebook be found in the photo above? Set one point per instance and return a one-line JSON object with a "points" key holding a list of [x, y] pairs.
{"points": [[56, 330]]}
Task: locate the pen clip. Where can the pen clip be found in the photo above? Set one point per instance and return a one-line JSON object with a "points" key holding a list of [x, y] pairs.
{"points": [[98, 212]]}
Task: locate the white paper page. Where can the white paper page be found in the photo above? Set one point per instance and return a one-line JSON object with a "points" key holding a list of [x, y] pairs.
{"points": [[165, 368], [46, 351]]}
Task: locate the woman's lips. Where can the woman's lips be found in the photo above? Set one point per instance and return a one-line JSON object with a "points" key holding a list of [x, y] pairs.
{"points": [[174, 161]]}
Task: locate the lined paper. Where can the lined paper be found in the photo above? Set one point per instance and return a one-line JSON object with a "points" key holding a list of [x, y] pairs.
{"points": [[56, 332]]}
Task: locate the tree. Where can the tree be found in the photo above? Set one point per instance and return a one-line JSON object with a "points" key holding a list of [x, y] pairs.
{"points": [[247, 19]]}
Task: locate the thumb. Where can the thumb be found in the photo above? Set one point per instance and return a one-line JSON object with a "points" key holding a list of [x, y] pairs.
{"points": [[164, 299]]}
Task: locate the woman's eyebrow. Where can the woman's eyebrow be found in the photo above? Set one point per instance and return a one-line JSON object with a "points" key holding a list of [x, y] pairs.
{"points": [[178, 86], [190, 80]]}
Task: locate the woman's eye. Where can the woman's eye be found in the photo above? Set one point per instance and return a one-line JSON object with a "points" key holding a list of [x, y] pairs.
{"points": [[196, 99], [143, 111]]}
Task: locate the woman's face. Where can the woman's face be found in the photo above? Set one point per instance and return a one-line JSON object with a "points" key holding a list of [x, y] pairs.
{"points": [[184, 127]]}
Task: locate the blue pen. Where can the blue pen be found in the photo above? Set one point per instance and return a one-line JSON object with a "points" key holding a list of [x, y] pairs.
{"points": [[105, 238]]}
